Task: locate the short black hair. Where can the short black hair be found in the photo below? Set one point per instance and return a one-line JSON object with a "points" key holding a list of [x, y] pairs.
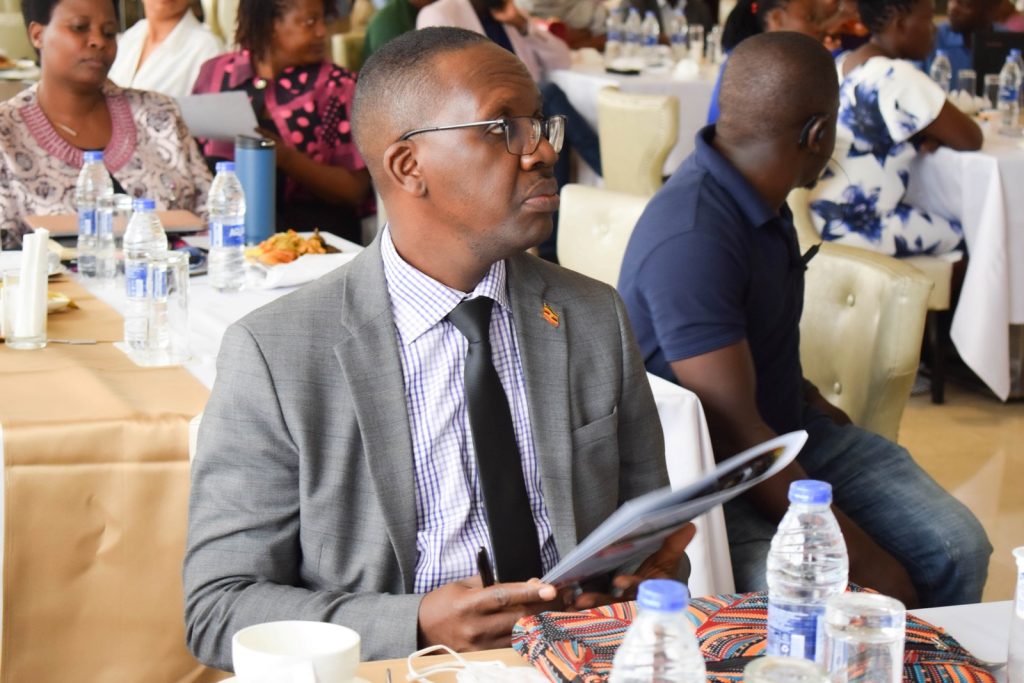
{"points": [[397, 83], [747, 19], [876, 14], [255, 22], [41, 11], [792, 72]]}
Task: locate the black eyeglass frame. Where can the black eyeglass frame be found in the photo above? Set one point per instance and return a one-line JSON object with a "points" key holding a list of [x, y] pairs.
{"points": [[541, 129]]}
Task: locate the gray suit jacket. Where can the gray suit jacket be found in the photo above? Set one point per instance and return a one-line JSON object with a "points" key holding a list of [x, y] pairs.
{"points": [[303, 499]]}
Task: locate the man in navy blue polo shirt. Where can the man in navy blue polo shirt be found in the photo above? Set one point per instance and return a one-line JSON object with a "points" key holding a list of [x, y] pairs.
{"points": [[713, 281]]}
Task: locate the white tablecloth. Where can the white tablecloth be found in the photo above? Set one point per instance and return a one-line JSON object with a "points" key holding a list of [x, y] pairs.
{"points": [[687, 442], [985, 190], [582, 83]]}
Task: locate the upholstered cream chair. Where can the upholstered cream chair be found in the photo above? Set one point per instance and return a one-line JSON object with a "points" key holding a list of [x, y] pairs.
{"points": [[636, 133], [594, 226], [938, 269], [347, 49], [221, 17], [13, 36], [860, 334]]}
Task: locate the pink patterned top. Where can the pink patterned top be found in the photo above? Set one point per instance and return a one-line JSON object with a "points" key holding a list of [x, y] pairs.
{"points": [[308, 105], [150, 154]]}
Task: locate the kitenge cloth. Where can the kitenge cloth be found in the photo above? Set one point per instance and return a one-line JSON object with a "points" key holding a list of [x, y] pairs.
{"points": [[578, 647]]}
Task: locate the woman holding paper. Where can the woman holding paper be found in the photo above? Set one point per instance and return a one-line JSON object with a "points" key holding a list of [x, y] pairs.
{"points": [[45, 129], [304, 102]]}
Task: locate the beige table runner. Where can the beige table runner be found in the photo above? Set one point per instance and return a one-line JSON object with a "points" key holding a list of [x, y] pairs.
{"points": [[96, 483]]}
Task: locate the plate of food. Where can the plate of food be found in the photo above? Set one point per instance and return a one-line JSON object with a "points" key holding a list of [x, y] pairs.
{"points": [[289, 258]]}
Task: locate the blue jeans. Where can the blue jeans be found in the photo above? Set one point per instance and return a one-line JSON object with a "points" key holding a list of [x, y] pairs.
{"points": [[879, 486]]}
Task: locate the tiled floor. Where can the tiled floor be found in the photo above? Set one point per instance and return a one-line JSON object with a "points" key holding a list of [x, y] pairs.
{"points": [[974, 446]]}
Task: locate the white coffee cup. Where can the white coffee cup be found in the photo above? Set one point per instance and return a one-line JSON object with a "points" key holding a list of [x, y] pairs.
{"points": [[295, 652]]}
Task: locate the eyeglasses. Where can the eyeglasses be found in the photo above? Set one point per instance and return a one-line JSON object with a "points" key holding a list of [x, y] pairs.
{"points": [[522, 133]]}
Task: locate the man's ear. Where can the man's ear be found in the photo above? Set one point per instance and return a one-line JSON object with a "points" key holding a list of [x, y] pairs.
{"points": [[814, 132], [35, 34], [403, 168]]}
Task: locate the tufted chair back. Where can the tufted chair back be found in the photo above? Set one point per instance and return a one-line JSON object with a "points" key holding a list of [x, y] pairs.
{"points": [[594, 226], [636, 133], [861, 330]]}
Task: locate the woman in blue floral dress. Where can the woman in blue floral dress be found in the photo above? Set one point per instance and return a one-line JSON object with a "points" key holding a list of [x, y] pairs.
{"points": [[889, 112]]}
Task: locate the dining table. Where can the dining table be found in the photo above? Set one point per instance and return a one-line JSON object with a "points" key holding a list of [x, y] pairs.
{"points": [[586, 78], [982, 628], [95, 453], [982, 190]]}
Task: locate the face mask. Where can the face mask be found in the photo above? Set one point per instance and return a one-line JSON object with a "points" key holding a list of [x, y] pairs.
{"points": [[469, 672]]}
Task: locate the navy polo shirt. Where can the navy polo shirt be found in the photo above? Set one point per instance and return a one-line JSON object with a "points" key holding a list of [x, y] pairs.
{"points": [[710, 264]]}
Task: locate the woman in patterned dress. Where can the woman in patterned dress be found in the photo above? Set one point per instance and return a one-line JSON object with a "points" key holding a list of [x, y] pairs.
{"points": [[73, 108], [889, 112], [303, 101]]}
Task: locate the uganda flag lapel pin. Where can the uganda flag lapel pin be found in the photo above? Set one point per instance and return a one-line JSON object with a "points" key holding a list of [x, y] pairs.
{"points": [[550, 315]]}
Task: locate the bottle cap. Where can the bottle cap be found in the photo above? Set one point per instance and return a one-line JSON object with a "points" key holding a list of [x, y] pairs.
{"points": [[810, 492], [940, 52], [94, 155], [634, 10], [1015, 51], [663, 595], [648, 13], [143, 204], [225, 166]]}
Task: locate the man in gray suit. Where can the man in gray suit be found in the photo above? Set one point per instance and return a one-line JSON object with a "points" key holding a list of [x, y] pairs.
{"points": [[335, 478]]}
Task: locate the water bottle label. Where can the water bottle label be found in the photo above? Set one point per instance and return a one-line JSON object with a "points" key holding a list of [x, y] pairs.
{"points": [[160, 278], [650, 41], [87, 222], [104, 222], [1007, 93], [795, 632], [615, 36], [135, 279], [227, 235]]}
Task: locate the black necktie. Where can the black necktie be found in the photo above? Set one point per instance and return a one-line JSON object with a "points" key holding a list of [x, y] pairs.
{"points": [[513, 533]]}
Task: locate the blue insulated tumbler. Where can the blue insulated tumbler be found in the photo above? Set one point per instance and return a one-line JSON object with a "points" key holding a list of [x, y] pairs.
{"points": [[254, 166]]}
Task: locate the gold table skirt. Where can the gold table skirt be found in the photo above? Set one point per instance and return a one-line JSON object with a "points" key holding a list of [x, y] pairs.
{"points": [[96, 480]]}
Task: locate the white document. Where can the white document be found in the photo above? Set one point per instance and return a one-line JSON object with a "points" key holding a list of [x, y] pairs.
{"points": [[219, 116], [637, 529]]}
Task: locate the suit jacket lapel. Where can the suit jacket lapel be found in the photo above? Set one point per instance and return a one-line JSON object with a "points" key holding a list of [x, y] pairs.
{"points": [[372, 368], [543, 351]]}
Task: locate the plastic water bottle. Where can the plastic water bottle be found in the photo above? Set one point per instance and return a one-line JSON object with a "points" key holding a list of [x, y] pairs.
{"points": [[1009, 97], [106, 258], [226, 207], [714, 45], [1015, 665], [941, 71], [613, 36], [93, 183], [807, 564], [651, 32], [144, 237], [678, 30], [660, 644], [632, 31]]}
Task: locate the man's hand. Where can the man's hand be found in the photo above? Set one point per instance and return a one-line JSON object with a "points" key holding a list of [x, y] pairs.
{"points": [[466, 616], [663, 564], [510, 14]]}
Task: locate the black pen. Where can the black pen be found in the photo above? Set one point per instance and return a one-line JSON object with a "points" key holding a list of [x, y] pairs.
{"points": [[483, 563]]}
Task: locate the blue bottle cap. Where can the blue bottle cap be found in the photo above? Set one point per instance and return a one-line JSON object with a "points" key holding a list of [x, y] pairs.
{"points": [[634, 10], [1015, 51], [93, 155], [225, 166], [663, 595], [648, 13], [940, 52], [143, 204], [810, 492]]}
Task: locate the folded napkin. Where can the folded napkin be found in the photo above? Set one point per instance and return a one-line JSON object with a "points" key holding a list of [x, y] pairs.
{"points": [[29, 301], [300, 271]]}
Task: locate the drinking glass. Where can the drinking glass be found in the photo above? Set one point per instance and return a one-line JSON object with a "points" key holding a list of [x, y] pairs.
{"points": [[24, 327], [992, 90], [696, 40], [864, 635], [167, 322], [967, 81], [783, 670]]}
